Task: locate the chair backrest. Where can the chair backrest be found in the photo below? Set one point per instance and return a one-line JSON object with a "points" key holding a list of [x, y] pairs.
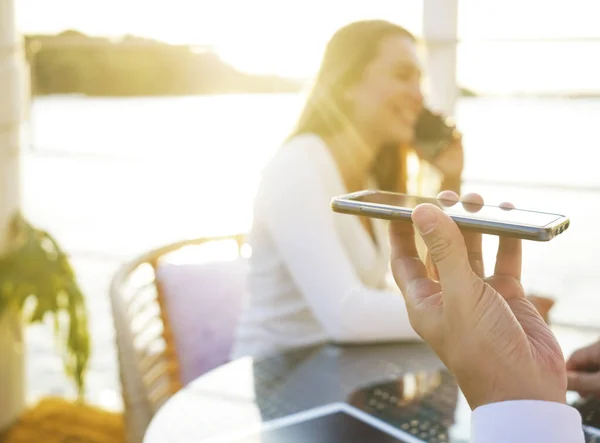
{"points": [[203, 303], [142, 293]]}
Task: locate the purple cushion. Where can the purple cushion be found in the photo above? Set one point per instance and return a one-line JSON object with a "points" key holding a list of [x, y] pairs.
{"points": [[203, 303]]}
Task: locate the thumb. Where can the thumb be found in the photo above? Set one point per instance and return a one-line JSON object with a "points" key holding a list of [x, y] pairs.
{"points": [[431, 270], [446, 247], [588, 382]]}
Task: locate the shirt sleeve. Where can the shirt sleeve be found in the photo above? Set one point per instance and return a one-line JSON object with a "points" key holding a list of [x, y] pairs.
{"points": [[296, 209], [526, 421]]}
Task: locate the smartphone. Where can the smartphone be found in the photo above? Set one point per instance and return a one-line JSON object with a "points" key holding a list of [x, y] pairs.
{"points": [[494, 220], [433, 132]]}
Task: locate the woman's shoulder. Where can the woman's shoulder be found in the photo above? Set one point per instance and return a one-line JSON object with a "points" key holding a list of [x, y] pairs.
{"points": [[301, 167], [303, 153], [309, 146]]}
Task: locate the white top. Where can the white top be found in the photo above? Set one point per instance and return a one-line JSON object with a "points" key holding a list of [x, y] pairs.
{"points": [[526, 421], [315, 275]]}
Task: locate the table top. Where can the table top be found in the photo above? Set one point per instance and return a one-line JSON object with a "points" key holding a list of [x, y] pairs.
{"points": [[402, 384]]}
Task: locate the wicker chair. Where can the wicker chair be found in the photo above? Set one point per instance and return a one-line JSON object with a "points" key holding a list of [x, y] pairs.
{"points": [[149, 366]]}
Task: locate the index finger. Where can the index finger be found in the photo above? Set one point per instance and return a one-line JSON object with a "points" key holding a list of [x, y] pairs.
{"points": [[473, 203], [510, 255], [448, 198]]}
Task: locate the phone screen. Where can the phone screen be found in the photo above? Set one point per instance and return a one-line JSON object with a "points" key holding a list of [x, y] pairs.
{"points": [[486, 212]]}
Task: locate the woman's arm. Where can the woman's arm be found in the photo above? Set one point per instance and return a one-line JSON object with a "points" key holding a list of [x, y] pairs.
{"points": [[295, 206]]}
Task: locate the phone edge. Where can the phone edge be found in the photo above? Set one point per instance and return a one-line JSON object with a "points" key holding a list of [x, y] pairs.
{"points": [[343, 206]]}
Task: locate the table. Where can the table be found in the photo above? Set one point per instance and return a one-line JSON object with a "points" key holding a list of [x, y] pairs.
{"points": [[370, 377]]}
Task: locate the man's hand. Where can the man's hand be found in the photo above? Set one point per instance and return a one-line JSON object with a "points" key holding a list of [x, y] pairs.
{"points": [[542, 304], [583, 370], [484, 329]]}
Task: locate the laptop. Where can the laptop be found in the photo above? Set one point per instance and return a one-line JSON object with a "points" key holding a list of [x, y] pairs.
{"points": [[434, 410]]}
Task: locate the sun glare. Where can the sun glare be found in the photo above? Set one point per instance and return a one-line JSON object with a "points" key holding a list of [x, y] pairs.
{"points": [[287, 39]]}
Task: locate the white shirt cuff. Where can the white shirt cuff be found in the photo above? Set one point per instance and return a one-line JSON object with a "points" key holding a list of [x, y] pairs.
{"points": [[526, 421]]}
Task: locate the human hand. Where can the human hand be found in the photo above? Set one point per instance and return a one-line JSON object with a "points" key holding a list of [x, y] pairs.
{"points": [[484, 329], [450, 160], [542, 304], [583, 370]]}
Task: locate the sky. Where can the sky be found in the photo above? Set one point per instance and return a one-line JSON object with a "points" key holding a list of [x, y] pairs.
{"points": [[287, 38]]}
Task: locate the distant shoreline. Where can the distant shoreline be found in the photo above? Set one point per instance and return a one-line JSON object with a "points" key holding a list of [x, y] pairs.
{"points": [[74, 63]]}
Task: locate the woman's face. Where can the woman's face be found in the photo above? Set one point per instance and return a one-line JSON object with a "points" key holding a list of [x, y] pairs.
{"points": [[387, 99]]}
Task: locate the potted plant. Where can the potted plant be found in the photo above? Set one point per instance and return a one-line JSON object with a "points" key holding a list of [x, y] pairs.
{"points": [[37, 281]]}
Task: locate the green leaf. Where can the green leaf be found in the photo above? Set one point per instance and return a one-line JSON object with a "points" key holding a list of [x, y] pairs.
{"points": [[37, 269]]}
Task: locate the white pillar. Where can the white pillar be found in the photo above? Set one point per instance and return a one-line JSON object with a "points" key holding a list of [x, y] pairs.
{"points": [[13, 91], [440, 19], [440, 33]]}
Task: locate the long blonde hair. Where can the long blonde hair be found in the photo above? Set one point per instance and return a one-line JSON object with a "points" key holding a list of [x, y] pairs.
{"points": [[327, 111]]}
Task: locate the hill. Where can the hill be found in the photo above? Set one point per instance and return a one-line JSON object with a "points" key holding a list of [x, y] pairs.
{"points": [[72, 62]]}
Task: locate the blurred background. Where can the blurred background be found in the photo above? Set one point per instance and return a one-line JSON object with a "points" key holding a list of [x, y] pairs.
{"points": [[150, 122]]}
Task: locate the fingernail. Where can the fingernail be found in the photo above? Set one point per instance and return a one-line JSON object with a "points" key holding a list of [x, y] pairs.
{"points": [[425, 219]]}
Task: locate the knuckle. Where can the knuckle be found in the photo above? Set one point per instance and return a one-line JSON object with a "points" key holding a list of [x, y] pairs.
{"points": [[440, 248]]}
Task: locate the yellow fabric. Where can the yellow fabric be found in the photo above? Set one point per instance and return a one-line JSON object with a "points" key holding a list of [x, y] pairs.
{"points": [[56, 420]]}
